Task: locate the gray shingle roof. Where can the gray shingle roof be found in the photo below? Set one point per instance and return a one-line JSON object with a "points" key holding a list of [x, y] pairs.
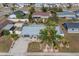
{"points": [[72, 25], [65, 13]]}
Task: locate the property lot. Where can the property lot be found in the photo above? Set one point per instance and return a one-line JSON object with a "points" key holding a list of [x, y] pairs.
{"points": [[74, 43], [73, 39], [5, 45]]}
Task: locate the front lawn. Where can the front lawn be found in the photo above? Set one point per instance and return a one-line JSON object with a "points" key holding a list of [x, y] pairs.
{"points": [[34, 47]]}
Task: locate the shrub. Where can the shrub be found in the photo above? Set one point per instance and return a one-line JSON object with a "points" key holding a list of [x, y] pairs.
{"points": [[5, 32]]}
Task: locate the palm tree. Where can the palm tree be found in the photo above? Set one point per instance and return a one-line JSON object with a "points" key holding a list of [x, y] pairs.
{"points": [[13, 8], [32, 10], [54, 16], [70, 6], [30, 17], [14, 36], [49, 36], [44, 9], [50, 22]]}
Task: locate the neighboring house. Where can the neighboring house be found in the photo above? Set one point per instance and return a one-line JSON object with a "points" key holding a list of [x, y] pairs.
{"points": [[66, 14], [4, 23], [72, 27], [38, 5], [77, 13], [59, 31], [9, 27], [18, 27], [21, 5], [23, 16], [41, 16], [51, 5], [13, 15], [47, 5]]}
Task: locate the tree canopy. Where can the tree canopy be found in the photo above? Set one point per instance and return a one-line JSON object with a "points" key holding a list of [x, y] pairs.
{"points": [[44, 9], [49, 36], [5, 32]]}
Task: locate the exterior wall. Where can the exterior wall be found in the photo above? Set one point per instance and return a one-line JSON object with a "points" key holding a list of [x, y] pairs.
{"points": [[19, 25], [41, 19], [73, 30], [16, 20], [18, 32], [40, 16], [38, 5], [68, 16], [77, 14], [62, 34], [11, 32]]}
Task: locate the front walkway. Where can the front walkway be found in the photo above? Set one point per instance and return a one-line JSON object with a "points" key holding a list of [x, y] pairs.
{"points": [[20, 46]]}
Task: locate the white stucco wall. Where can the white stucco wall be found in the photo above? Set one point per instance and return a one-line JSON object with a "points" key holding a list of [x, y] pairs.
{"points": [[70, 30], [18, 32], [16, 20], [66, 15], [11, 32]]}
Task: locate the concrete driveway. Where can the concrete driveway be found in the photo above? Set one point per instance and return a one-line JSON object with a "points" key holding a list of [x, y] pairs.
{"points": [[20, 46]]}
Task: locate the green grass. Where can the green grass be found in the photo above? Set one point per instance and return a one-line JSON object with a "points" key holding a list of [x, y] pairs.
{"points": [[34, 47]]}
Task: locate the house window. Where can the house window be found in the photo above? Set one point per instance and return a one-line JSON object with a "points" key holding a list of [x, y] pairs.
{"points": [[73, 29]]}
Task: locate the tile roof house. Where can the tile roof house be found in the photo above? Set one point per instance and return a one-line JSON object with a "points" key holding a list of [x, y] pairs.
{"points": [[72, 27], [66, 14], [41, 16], [13, 17]]}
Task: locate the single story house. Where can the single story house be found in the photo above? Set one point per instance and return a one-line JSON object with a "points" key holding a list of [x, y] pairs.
{"points": [[34, 29], [41, 16], [9, 27], [72, 27], [66, 14], [31, 30], [20, 5], [38, 5], [19, 16]]}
